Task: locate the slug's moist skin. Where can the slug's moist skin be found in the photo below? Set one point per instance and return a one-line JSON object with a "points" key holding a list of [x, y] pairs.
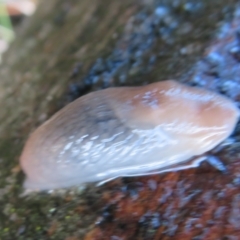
{"points": [[126, 131]]}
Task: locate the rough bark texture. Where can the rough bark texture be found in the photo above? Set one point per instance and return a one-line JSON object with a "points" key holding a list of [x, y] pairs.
{"points": [[72, 47]]}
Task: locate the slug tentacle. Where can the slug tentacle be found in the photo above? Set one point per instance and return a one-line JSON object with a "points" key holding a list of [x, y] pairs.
{"points": [[126, 131]]}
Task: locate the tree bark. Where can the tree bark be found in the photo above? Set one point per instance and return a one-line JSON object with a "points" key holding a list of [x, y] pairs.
{"points": [[72, 47]]}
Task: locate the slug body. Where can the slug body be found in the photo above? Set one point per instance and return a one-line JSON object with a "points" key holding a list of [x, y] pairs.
{"points": [[126, 131]]}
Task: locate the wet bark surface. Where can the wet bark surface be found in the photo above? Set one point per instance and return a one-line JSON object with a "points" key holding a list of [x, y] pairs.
{"points": [[69, 48]]}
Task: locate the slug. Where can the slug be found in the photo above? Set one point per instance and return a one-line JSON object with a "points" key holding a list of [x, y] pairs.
{"points": [[125, 131]]}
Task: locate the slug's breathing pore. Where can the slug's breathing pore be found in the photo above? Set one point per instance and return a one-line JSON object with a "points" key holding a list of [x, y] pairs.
{"points": [[126, 131]]}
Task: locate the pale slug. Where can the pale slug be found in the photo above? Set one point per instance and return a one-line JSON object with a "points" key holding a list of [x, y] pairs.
{"points": [[126, 131]]}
